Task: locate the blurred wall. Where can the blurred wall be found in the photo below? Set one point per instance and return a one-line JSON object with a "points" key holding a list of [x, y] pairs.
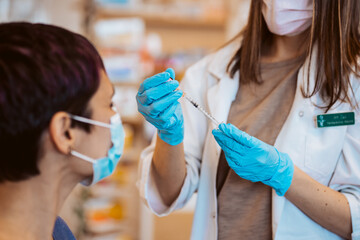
{"points": [[238, 11]]}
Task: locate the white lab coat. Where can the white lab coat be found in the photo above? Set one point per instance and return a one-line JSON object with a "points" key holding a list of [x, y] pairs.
{"points": [[329, 155]]}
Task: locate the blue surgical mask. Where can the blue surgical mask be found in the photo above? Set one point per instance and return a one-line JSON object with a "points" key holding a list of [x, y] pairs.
{"points": [[105, 166]]}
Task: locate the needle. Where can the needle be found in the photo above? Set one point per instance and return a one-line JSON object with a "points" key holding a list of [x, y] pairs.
{"points": [[196, 105]]}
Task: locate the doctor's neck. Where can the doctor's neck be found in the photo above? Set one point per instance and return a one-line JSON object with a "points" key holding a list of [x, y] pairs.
{"points": [[282, 48], [29, 208]]}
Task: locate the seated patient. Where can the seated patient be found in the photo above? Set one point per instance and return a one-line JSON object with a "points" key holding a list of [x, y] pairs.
{"points": [[58, 126]]}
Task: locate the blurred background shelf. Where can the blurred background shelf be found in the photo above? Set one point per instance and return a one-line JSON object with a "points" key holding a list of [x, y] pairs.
{"points": [[199, 23], [193, 16]]}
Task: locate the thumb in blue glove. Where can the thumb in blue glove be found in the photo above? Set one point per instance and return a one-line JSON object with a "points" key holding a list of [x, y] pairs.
{"points": [[255, 160]]}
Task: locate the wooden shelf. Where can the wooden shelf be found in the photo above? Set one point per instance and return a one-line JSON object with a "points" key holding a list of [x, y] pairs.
{"points": [[163, 19]]}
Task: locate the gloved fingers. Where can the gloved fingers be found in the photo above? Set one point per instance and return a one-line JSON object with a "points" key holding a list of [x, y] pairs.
{"points": [[222, 137], [225, 142], [154, 81], [169, 118], [228, 144], [168, 112], [245, 170], [233, 159], [238, 135], [153, 110], [260, 174], [171, 72], [150, 95], [161, 104]]}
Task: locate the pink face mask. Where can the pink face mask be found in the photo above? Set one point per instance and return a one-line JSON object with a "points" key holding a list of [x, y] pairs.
{"points": [[287, 17]]}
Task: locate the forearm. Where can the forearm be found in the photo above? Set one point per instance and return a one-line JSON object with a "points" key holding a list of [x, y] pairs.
{"points": [[324, 205], [169, 170]]}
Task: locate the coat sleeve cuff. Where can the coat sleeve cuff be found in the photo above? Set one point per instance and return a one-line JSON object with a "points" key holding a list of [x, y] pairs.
{"points": [[355, 215], [150, 193]]}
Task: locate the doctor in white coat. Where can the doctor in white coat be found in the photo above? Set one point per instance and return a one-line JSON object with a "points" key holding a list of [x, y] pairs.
{"points": [[313, 167]]}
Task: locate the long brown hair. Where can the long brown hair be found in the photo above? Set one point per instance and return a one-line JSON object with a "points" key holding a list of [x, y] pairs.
{"points": [[335, 32]]}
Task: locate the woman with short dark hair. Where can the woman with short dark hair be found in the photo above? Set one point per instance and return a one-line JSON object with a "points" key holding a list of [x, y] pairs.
{"points": [[58, 126]]}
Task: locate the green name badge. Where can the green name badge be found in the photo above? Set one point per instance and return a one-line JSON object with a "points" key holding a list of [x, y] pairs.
{"points": [[335, 119]]}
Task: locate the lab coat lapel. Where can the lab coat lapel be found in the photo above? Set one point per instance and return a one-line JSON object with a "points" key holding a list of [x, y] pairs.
{"points": [[223, 90], [219, 98]]}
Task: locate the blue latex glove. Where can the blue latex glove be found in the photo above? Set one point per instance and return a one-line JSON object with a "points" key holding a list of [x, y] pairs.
{"points": [[157, 101], [255, 160]]}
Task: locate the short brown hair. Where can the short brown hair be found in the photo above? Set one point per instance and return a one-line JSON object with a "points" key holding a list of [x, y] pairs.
{"points": [[43, 69]]}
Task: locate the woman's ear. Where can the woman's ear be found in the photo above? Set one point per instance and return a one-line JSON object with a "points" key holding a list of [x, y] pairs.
{"points": [[61, 133]]}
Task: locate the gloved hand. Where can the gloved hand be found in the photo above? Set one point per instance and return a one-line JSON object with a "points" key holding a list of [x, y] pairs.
{"points": [[157, 101], [255, 160]]}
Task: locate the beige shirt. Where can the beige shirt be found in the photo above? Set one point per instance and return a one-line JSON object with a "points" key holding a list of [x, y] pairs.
{"points": [[244, 207]]}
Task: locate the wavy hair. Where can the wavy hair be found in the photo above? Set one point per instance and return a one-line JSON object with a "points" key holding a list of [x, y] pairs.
{"points": [[335, 33]]}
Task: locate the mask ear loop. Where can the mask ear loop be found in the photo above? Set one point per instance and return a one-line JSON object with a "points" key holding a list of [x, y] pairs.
{"points": [[79, 155], [90, 121]]}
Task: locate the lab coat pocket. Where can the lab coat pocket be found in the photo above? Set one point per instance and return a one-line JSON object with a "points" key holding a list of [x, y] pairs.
{"points": [[323, 149]]}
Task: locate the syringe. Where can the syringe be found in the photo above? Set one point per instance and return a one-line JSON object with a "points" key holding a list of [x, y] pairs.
{"points": [[196, 105]]}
